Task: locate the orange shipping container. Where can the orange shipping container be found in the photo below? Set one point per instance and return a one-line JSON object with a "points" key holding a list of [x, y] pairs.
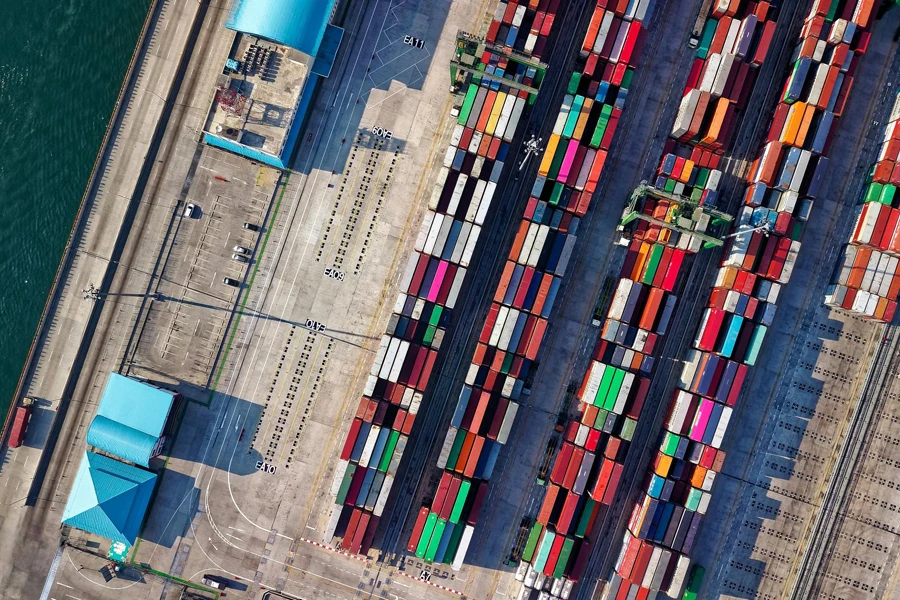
{"points": [[718, 41], [714, 131], [858, 270], [792, 123], [699, 115], [808, 115], [464, 452], [549, 501], [473, 457], [504, 281]]}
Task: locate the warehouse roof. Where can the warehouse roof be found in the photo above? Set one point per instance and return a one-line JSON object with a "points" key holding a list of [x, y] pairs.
{"points": [[109, 498], [299, 24], [131, 419]]}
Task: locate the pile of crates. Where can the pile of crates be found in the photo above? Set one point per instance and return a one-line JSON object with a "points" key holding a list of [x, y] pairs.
{"points": [[867, 279], [429, 289]]}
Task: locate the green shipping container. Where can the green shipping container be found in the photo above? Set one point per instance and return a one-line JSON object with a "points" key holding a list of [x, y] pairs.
{"points": [[603, 390], [455, 449], [706, 38], [618, 377], [873, 192], [572, 119], [585, 518], [564, 556], [626, 79], [702, 177], [599, 130], [426, 535], [453, 546], [832, 12], [573, 83], [388, 451], [507, 363], [669, 443], [435, 540], [693, 499], [601, 419], [756, 341], [628, 429], [345, 484], [888, 193], [696, 194], [467, 104], [558, 159], [543, 552], [429, 335], [670, 185], [461, 495], [556, 193], [533, 536], [652, 265], [436, 315]]}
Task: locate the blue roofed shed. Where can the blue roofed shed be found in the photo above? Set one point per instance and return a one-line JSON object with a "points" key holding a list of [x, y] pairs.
{"points": [[299, 24], [131, 419], [109, 498]]}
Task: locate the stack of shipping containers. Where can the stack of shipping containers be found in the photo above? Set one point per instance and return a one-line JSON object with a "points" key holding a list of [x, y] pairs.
{"points": [[430, 285], [616, 383], [511, 336], [867, 280], [783, 182]]}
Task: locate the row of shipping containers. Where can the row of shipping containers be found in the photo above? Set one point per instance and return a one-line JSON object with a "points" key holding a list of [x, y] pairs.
{"points": [[677, 487], [430, 285], [511, 335], [866, 282], [617, 381], [523, 25]]}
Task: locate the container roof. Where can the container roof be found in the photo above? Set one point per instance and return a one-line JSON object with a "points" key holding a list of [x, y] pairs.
{"points": [[299, 24], [109, 498], [130, 420]]}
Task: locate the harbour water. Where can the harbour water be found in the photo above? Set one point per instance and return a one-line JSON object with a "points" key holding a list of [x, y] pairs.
{"points": [[61, 66]]}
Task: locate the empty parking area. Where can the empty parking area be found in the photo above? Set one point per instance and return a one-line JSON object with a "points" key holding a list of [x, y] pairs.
{"points": [[185, 327]]}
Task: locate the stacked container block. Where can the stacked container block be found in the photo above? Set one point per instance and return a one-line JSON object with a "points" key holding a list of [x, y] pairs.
{"points": [[638, 317], [429, 290], [677, 486], [523, 25], [510, 337], [867, 279]]}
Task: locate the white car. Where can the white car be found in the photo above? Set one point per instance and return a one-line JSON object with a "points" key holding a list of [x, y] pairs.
{"points": [[241, 250], [189, 211]]}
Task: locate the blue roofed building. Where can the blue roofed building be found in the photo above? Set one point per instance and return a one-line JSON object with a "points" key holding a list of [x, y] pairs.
{"points": [[131, 420], [282, 49], [109, 498]]}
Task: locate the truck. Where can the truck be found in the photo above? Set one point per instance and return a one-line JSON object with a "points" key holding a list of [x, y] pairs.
{"points": [[20, 423], [697, 30]]}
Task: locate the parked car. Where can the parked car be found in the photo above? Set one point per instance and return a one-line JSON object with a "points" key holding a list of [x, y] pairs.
{"points": [[231, 282], [251, 226], [189, 211], [240, 258], [242, 250]]}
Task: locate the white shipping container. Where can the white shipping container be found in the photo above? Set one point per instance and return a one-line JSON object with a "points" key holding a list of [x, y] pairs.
{"points": [[502, 314], [787, 202], [369, 446], [705, 498], [506, 425], [721, 427], [394, 375], [603, 32], [485, 203], [389, 358], [509, 385], [410, 271], [595, 376], [383, 495], [446, 447], [333, 520], [563, 114], [800, 171], [617, 306], [506, 334], [380, 354], [518, 15], [815, 91], [407, 397], [477, 196], [463, 548], [475, 142], [457, 194], [683, 401], [471, 374], [418, 307], [692, 360], [369, 388], [514, 118], [422, 238], [731, 39], [789, 262], [505, 114], [568, 584], [443, 232], [530, 576], [708, 480], [471, 242], [651, 566], [521, 571], [339, 473], [454, 290], [725, 66], [464, 232], [685, 113], [731, 301], [676, 586], [581, 434], [456, 136], [538, 247], [624, 393], [712, 182], [664, 560], [711, 67], [449, 155], [530, 236], [438, 188]]}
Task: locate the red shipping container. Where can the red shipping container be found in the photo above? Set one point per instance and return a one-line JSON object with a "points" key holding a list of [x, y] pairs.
{"points": [[568, 512], [613, 484], [736, 386], [549, 502], [572, 468], [563, 458], [417, 529]]}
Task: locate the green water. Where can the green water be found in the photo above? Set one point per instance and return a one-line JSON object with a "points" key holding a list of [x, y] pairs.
{"points": [[61, 66]]}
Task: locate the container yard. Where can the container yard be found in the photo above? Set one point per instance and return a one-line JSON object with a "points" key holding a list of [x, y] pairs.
{"points": [[488, 118], [511, 336], [611, 317]]}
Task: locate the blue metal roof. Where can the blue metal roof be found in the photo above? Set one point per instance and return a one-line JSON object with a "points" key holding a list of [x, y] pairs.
{"points": [[130, 419], [299, 24], [109, 498]]}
